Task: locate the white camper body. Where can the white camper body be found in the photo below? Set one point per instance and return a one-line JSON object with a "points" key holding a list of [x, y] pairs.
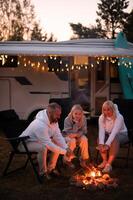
{"points": [[26, 88]]}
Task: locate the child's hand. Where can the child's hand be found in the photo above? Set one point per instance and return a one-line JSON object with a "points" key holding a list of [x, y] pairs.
{"points": [[69, 152], [73, 135]]}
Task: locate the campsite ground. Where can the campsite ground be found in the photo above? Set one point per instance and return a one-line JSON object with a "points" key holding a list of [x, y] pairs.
{"points": [[24, 186]]}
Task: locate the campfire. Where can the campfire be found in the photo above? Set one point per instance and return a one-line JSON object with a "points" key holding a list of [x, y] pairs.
{"points": [[92, 179]]}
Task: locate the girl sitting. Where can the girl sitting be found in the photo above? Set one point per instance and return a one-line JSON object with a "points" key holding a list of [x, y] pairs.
{"points": [[75, 130]]}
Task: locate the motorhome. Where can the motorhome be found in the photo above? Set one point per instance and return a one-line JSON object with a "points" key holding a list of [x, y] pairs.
{"points": [[26, 84], [33, 72]]}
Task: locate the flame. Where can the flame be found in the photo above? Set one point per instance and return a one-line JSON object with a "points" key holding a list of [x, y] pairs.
{"points": [[86, 182], [99, 173], [93, 174], [94, 177]]}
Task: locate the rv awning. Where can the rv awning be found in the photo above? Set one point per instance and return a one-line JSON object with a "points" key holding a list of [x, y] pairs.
{"points": [[87, 47]]}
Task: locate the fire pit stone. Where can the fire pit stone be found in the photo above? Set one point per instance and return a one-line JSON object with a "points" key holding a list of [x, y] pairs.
{"points": [[92, 179]]}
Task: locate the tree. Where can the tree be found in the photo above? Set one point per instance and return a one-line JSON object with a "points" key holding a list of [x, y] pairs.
{"points": [[37, 33], [81, 31], [112, 15], [51, 38], [128, 27], [18, 21], [16, 32]]}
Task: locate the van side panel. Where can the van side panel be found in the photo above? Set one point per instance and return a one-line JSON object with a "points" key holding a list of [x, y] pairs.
{"points": [[26, 89]]}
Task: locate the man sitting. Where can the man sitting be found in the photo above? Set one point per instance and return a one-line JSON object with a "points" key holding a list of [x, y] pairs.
{"points": [[44, 134]]}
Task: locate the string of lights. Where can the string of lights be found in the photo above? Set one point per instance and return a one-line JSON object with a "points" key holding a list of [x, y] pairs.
{"points": [[60, 63]]}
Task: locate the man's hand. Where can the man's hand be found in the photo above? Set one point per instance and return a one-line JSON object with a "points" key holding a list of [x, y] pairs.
{"points": [[69, 154]]}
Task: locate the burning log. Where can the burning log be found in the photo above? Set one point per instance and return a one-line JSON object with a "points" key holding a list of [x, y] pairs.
{"points": [[92, 179]]}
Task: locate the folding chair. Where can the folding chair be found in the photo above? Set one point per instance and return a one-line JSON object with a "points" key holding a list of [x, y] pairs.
{"points": [[125, 107], [12, 131], [127, 146]]}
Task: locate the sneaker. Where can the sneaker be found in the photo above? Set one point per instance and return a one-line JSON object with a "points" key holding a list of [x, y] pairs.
{"points": [[83, 164], [107, 168], [45, 175], [69, 158], [69, 164], [102, 165], [54, 173]]}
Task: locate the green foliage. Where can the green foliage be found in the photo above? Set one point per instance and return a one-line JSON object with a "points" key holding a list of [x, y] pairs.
{"points": [[37, 33], [111, 20], [112, 15], [81, 31], [128, 27]]}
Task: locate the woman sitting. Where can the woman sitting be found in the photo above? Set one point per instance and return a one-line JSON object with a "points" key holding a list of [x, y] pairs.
{"points": [[112, 133]]}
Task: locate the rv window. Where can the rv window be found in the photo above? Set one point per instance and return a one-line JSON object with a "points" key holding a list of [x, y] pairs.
{"points": [[59, 65], [114, 75], [23, 80], [62, 75], [54, 63], [100, 73], [8, 61]]}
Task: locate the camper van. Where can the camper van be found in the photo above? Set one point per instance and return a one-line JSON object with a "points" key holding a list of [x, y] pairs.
{"points": [[85, 70], [26, 84]]}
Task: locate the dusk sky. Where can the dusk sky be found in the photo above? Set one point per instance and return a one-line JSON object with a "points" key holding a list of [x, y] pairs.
{"points": [[55, 15]]}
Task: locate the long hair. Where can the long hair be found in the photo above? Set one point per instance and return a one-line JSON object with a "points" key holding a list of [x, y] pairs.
{"points": [[112, 106], [79, 108]]}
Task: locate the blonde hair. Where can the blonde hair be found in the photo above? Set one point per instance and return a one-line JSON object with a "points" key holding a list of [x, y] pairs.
{"points": [[112, 106], [77, 107]]}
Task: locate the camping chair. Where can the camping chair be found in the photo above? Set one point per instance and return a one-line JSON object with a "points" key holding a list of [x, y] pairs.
{"points": [[125, 107], [12, 130]]}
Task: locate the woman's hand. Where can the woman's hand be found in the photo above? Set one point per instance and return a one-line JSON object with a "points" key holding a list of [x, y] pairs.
{"points": [[99, 147], [102, 148], [106, 147]]}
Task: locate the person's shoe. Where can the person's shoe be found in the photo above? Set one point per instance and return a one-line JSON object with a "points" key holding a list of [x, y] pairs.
{"points": [[102, 165], [69, 164], [107, 168], [54, 173], [45, 175], [83, 164], [69, 158]]}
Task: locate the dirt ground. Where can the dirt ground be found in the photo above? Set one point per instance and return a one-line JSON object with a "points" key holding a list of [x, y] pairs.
{"points": [[23, 185]]}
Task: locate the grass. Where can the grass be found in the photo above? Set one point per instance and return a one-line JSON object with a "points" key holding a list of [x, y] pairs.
{"points": [[23, 185]]}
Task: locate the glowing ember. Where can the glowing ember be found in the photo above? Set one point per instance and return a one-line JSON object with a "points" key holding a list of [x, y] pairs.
{"points": [[92, 178]]}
